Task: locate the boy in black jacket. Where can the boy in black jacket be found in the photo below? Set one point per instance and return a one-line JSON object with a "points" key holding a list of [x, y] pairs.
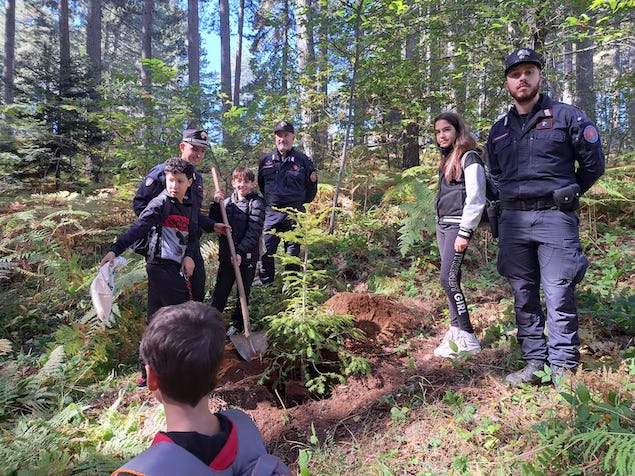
{"points": [[173, 244], [246, 215]]}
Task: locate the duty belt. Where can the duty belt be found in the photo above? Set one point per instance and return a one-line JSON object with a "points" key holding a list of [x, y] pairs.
{"points": [[543, 203]]}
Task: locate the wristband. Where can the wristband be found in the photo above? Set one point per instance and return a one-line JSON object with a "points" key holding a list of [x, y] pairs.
{"points": [[464, 233]]}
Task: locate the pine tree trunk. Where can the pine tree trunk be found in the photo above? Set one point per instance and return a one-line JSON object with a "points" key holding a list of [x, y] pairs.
{"points": [[194, 55], [239, 53], [93, 37], [9, 53], [306, 69], [146, 43], [585, 96], [93, 48], [411, 146], [225, 63]]}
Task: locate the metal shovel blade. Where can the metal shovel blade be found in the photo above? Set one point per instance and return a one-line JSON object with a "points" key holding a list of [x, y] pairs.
{"points": [[250, 347]]}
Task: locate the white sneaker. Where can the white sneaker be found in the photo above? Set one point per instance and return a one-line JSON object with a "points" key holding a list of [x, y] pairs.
{"points": [[444, 348], [464, 341], [467, 342]]}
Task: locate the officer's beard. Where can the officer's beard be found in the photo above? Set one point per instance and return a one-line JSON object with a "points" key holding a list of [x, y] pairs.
{"points": [[527, 96]]}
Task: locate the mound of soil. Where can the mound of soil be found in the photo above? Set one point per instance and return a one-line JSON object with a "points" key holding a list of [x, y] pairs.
{"points": [[385, 322], [382, 319]]}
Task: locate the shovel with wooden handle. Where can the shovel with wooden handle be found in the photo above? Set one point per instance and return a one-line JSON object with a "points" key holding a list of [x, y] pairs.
{"points": [[250, 346]]}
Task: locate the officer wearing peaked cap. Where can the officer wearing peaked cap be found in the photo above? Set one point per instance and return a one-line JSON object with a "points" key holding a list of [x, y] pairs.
{"points": [[288, 179], [544, 155], [194, 144]]}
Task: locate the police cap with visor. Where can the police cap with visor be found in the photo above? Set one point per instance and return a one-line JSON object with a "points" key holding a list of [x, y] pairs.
{"points": [[195, 137], [522, 55]]}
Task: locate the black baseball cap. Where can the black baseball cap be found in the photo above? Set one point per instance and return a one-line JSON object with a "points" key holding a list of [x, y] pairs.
{"points": [[195, 137], [522, 55], [283, 126]]}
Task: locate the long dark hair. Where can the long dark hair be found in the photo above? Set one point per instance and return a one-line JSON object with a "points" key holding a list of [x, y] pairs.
{"points": [[450, 163]]}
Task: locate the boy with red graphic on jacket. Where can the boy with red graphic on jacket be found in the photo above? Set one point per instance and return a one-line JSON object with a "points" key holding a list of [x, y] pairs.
{"points": [[173, 244], [170, 260]]}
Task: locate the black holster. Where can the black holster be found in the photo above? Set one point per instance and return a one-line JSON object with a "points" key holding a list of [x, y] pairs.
{"points": [[567, 198]]}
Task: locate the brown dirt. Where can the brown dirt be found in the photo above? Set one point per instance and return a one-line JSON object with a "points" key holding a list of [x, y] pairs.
{"points": [[398, 350]]}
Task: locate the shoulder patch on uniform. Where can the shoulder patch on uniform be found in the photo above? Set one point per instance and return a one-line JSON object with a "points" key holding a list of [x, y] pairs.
{"points": [[149, 181], [591, 134], [313, 176]]}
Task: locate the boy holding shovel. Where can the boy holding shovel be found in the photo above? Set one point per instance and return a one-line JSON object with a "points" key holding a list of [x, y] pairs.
{"points": [[245, 210]]}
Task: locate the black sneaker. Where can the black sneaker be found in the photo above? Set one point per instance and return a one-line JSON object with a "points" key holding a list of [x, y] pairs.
{"points": [[527, 374]]}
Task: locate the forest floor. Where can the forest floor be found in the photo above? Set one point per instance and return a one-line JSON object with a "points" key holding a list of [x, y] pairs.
{"points": [[401, 337]]}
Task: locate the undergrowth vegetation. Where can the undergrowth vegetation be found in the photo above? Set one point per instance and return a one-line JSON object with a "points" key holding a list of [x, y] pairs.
{"points": [[67, 401]]}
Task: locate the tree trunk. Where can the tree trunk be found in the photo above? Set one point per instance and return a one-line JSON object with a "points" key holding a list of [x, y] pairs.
{"points": [[225, 54], [225, 63], [65, 47], [320, 131], [411, 146], [434, 70], [93, 48], [64, 87], [9, 53], [629, 140], [93, 37], [585, 96], [284, 81], [146, 43], [194, 56], [239, 53], [306, 69], [357, 39]]}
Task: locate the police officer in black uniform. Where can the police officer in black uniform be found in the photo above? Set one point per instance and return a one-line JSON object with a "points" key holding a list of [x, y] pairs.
{"points": [[287, 179], [193, 147], [533, 152]]}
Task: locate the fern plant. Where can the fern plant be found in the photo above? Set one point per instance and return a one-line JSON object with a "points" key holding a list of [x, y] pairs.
{"points": [[598, 433], [419, 219]]}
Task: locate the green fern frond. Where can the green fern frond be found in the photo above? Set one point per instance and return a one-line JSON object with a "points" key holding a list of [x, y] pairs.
{"points": [[9, 390], [618, 450], [420, 218], [52, 366], [13, 220]]}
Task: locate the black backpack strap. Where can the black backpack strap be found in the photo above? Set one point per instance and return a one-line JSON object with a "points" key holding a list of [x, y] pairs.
{"points": [[472, 157]]}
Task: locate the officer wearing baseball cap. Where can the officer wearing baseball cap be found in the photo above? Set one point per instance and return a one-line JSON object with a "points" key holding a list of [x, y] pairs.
{"points": [[288, 179], [544, 155], [284, 126], [522, 55], [194, 144]]}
